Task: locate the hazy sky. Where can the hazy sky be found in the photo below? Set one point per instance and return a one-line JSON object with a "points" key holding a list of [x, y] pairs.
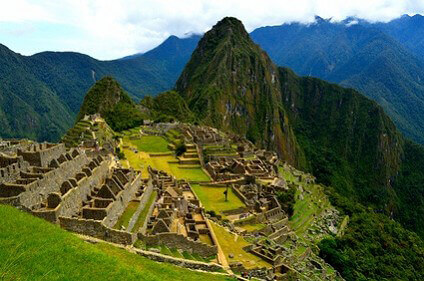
{"points": [[112, 29]]}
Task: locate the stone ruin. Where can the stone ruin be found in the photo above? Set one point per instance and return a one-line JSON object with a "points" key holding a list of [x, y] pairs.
{"points": [[225, 169], [83, 194], [177, 219]]}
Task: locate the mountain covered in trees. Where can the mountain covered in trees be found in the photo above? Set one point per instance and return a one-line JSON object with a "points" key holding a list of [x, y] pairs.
{"points": [[108, 99], [382, 60], [40, 95]]}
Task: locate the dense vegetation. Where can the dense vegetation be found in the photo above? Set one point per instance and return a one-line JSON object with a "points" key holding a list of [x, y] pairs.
{"points": [[287, 200], [108, 99], [40, 95], [384, 61], [373, 247], [34, 249]]}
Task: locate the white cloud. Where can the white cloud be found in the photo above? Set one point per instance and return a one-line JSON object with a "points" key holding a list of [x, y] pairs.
{"points": [[111, 29]]}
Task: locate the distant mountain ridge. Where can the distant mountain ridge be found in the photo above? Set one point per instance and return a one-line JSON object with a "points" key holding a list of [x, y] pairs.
{"points": [[382, 60], [40, 95]]}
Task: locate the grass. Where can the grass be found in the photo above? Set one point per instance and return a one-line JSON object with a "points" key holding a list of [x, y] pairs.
{"points": [[143, 214], [142, 160], [33, 249], [313, 203], [232, 244], [151, 144], [213, 198], [253, 227], [127, 215]]}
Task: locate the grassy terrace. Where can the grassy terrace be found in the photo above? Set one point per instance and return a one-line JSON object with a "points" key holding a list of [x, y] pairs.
{"points": [[233, 244], [142, 217], [167, 163], [33, 249], [313, 204], [213, 198], [127, 215], [151, 144]]}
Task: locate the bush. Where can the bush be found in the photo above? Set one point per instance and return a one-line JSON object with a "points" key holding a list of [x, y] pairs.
{"points": [[180, 149], [287, 200]]}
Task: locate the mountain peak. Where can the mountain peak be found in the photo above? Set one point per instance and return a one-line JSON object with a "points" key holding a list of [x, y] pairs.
{"points": [[231, 84]]}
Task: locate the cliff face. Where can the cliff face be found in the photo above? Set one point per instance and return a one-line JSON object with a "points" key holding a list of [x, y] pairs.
{"points": [[231, 84], [348, 140]]}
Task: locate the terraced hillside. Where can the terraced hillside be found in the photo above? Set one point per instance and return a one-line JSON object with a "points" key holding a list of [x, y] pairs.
{"points": [[89, 132]]}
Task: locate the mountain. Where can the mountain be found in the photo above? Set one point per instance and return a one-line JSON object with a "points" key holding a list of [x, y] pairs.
{"points": [[371, 172], [408, 30], [108, 99], [40, 95], [344, 138], [231, 84], [372, 58], [348, 140]]}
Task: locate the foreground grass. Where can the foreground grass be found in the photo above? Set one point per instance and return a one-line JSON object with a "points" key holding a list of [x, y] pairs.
{"points": [[213, 198], [33, 249]]}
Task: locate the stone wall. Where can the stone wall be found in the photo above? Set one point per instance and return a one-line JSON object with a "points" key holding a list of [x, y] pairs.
{"points": [[117, 207], [71, 202], [41, 154], [98, 230], [37, 191], [10, 168], [179, 241], [180, 262]]}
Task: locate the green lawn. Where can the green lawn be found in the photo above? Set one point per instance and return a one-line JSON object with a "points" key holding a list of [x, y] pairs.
{"points": [[33, 249], [213, 198], [191, 174], [142, 217], [151, 144], [127, 215]]}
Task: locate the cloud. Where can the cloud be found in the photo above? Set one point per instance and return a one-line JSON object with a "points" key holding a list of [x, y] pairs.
{"points": [[111, 29]]}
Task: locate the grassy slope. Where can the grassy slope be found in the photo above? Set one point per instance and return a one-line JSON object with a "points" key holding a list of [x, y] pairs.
{"points": [[32, 249]]}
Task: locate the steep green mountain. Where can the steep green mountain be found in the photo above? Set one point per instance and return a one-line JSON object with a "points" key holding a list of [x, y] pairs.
{"points": [[28, 107], [348, 140], [108, 99], [355, 53], [231, 84], [40, 95]]}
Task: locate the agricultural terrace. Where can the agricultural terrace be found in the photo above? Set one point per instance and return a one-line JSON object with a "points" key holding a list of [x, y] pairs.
{"points": [[153, 151], [232, 246]]}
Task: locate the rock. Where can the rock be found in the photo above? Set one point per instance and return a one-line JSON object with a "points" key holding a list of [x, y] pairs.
{"points": [[154, 250], [230, 256]]}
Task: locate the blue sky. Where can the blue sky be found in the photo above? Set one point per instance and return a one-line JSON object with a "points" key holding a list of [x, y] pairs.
{"points": [[111, 29]]}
